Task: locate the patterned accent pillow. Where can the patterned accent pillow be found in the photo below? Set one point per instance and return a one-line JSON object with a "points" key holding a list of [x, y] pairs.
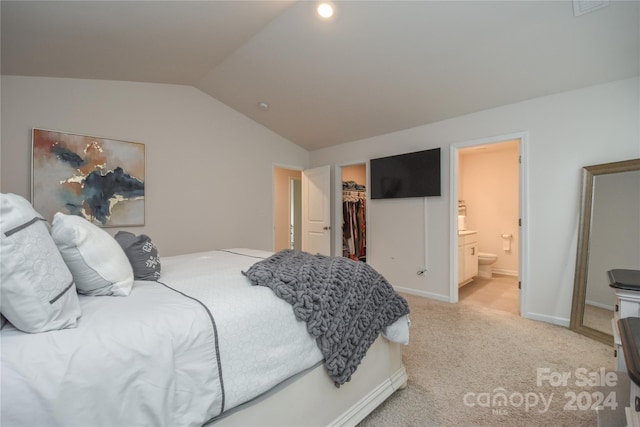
{"points": [[97, 262], [37, 291], [142, 254]]}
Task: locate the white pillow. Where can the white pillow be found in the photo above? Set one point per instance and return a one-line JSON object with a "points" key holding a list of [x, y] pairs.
{"points": [[97, 262], [36, 287]]}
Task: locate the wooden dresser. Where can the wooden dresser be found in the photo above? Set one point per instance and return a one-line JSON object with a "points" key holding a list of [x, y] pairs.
{"points": [[626, 328]]}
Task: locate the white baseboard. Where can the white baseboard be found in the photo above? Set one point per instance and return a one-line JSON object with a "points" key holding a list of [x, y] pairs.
{"points": [[560, 321], [600, 305], [431, 295]]}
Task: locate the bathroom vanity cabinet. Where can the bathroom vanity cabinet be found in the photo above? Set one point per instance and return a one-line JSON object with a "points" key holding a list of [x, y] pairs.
{"points": [[467, 256]]}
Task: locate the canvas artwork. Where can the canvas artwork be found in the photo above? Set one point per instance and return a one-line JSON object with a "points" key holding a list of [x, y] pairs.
{"points": [[97, 178]]}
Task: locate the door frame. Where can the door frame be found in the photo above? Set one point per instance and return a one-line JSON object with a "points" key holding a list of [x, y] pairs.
{"points": [[337, 205], [523, 196]]}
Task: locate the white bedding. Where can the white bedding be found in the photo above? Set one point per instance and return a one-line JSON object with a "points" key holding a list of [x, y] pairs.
{"points": [[150, 358], [128, 362], [259, 350]]}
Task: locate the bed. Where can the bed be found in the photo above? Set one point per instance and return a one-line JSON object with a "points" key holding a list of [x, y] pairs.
{"points": [[200, 345]]}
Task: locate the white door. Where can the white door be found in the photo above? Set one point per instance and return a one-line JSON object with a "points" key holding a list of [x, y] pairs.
{"points": [[316, 210]]}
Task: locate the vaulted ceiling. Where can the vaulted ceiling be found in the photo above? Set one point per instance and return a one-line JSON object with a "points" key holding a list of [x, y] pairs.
{"points": [[374, 68]]}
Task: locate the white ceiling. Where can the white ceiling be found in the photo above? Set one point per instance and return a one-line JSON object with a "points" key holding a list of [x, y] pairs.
{"points": [[375, 68]]}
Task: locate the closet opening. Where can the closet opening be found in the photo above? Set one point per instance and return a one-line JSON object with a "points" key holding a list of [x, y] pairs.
{"points": [[353, 211]]}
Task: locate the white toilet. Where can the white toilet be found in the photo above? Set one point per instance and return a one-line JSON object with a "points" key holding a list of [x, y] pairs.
{"points": [[485, 260]]}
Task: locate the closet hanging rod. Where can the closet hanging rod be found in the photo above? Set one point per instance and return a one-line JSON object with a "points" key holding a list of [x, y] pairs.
{"points": [[353, 195]]}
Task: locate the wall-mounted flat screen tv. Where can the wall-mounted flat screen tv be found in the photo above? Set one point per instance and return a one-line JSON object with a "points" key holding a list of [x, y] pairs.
{"points": [[406, 175]]}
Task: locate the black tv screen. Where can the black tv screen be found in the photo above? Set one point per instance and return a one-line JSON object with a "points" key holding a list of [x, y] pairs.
{"points": [[406, 175]]}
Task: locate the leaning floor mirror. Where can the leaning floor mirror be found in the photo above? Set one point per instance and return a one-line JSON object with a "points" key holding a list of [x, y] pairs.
{"points": [[609, 238]]}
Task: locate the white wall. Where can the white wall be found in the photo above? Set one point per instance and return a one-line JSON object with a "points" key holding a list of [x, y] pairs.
{"points": [[209, 169], [565, 132]]}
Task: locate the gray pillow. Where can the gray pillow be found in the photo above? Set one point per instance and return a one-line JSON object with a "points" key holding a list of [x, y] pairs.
{"points": [[142, 254]]}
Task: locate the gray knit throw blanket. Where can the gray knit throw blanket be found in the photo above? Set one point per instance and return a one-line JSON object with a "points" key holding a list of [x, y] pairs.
{"points": [[345, 303]]}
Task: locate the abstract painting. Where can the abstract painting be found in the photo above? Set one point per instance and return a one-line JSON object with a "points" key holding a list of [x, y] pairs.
{"points": [[99, 179]]}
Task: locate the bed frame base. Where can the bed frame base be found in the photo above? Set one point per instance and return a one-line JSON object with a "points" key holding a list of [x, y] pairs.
{"points": [[364, 407], [313, 400]]}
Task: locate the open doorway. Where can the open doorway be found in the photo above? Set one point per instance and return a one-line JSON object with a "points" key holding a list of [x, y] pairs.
{"points": [[301, 209], [487, 186], [287, 208]]}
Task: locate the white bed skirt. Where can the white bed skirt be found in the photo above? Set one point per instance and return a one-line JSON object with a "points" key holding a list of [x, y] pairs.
{"points": [[311, 398]]}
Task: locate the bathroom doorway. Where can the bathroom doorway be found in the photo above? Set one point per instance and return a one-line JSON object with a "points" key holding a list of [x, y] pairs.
{"points": [[487, 183]]}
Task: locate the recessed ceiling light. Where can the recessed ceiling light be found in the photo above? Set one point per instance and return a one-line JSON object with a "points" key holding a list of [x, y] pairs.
{"points": [[325, 10]]}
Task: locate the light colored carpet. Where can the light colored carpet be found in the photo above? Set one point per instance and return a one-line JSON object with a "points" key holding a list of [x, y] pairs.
{"points": [[459, 350]]}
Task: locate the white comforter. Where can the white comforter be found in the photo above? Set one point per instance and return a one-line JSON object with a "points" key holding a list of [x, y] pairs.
{"points": [[151, 358]]}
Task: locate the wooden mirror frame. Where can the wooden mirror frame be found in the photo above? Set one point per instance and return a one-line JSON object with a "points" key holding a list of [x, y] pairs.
{"points": [[582, 259]]}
